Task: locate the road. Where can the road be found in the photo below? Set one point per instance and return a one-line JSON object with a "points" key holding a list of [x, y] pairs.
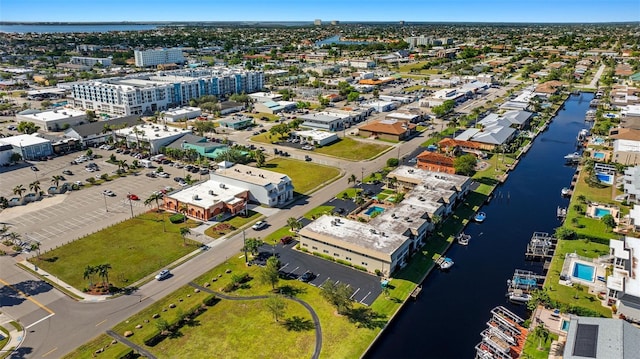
{"points": [[58, 324]]}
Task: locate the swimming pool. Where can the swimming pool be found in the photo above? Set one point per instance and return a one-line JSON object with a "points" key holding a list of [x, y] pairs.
{"points": [[597, 141], [373, 210], [565, 325], [605, 178], [598, 155], [601, 212], [583, 271]]}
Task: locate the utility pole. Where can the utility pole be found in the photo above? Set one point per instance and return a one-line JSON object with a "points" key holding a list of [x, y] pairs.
{"points": [[244, 241], [105, 202], [130, 203]]}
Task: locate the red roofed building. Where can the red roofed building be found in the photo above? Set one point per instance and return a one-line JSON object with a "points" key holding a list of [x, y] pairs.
{"points": [[388, 129], [435, 162]]}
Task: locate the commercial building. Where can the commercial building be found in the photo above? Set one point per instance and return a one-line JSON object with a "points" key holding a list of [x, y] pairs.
{"points": [[386, 242], [388, 129], [90, 61], [201, 145], [265, 187], [316, 137], [148, 93], [148, 58], [99, 132], [30, 147], [207, 200], [236, 122], [182, 113], [327, 121], [148, 136], [55, 120]]}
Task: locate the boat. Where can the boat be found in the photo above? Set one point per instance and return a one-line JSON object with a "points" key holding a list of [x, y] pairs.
{"points": [[444, 263], [480, 217], [463, 238], [572, 157], [565, 191], [518, 296]]}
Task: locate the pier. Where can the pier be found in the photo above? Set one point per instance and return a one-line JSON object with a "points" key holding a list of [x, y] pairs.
{"points": [[561, 212], [525, 280], [542, 245], [504, 337]]}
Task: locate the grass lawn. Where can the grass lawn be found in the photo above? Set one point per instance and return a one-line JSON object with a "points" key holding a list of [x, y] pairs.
{"points": [[318, 211], [264, 138], [353, 150], [274, 237], [135, 248], [531, 346], [305, 176], [231, 224], [87, 351], [260, 115], [349, 193]]}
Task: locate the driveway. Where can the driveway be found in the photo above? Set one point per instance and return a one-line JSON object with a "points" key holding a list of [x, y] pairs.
{"points": [[366, 287]]}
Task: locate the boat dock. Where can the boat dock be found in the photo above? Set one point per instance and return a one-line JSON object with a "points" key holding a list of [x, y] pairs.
{"points": [[525, 280], [504, 337], [444, 262], [561, 212], [416, 291], [542, 245]]}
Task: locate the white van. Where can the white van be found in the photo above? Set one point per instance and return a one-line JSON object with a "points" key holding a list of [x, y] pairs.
{"points": [[145, 163]]}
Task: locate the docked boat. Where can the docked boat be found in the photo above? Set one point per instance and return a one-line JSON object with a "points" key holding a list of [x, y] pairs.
{"points": [[573, 157], [480, 217], [463, 239], [518, 296], [565, 191], [444, 263]]}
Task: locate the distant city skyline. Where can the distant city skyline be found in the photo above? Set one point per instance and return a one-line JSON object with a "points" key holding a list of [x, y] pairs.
{"points": [[544, 11]]}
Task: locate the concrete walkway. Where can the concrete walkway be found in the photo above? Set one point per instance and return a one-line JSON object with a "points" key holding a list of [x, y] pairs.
{"points": [[15, 336]]}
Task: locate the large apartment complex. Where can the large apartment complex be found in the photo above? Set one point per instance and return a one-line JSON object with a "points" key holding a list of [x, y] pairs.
{"points": [[148, 93], [155, 57]]}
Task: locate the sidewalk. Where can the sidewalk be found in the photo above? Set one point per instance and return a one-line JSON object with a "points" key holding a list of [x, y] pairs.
{"points": [[15, 336]]}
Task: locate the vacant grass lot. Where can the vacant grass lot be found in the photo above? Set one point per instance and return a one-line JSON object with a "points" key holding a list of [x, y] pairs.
{"points": [[353, 150], [304, 175], [135, 248], [236, 222]]}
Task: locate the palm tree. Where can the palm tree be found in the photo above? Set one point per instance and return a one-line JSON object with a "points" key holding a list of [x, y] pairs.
{"points": [[156, 197], [103, 272], [89, 271], [35, 186], [184, 208], [35, 247], [122, 164], [19, 190], [184, 232], [293, 223], [14, 237], [259, 157], [542, 333], [352, 179], [56, 180]]}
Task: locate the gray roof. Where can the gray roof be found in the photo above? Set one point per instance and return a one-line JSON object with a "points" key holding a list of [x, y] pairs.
{"points": [[93, 128], [517, 117], [187, 138], [604, 338]]}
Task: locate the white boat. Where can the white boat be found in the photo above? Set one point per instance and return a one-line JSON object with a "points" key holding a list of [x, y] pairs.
{"points": [[518, 296], [480, 217], [463, 238], [573, 156], [444, 262], [565, 191]]}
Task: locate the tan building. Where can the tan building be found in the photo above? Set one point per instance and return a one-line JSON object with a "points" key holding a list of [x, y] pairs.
{"points": [[436, 162], [388, 129], [206, 200]]}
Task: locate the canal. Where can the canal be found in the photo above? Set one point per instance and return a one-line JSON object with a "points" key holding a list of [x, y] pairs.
{"points": [[453, 308]]}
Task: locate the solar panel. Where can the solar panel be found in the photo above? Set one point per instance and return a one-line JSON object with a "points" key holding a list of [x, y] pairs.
{"points": [[586, 343]]}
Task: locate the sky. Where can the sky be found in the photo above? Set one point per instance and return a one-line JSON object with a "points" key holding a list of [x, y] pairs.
{"points": [[308, 10]]}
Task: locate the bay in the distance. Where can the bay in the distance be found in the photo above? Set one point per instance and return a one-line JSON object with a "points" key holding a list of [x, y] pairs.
{"points": [[70, 28]]}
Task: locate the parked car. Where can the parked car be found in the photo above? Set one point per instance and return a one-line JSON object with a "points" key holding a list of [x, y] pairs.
{"points": [[34, 169], [308, 147], [79, 183], [151, 174], [163, 274], [178, 179], [133, 197], [307, 158], [67, 172], [259, 225], [307, 276], [163, 174], [286, 239], [108, 192]]}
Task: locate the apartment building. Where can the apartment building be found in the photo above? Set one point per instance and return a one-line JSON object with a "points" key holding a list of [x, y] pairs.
{"points": [[155, 57]]}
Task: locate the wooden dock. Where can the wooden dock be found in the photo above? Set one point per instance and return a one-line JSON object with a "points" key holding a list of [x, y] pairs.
{"points": [[416, 291], [541, 246]]}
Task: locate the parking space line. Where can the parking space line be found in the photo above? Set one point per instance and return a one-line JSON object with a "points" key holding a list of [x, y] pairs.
{"points": [[281, 268], [354, 293], [295, 269], [365, 297]]}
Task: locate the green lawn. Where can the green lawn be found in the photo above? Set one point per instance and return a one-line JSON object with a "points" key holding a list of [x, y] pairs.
{"points": [[235, 222], [135, 248], [305, 176], [318, 211], [531, 346], [353, 150], [87, 351], [274, 237], [260, 115], [349, 193], [264, 138]]}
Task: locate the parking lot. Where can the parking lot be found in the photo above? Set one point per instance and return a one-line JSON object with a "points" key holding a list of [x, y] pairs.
{"points": [[366, 287], [61, 218]]}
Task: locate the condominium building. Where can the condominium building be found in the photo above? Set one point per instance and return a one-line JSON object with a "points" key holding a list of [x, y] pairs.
{"points": [[147, 93], [90, 61], [147, 58]]}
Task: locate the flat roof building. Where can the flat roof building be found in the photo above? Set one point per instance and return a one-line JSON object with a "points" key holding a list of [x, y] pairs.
{"points": [[207, 200], [55, 120], [149, 136], [181, 113], [155, 57], [319, 138], [30, 147]]}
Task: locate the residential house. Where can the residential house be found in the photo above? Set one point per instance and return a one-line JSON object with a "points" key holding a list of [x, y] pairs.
{"points": [[589, 337], [435, 162], [623, 284]]}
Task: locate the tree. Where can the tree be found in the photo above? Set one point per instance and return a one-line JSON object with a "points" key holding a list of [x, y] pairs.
{"points": [[293, 223], [563, 233], [184, 232], [353, 96], [122, 164], [89, 271], [608, 221], [352, 179], [35, 246], [393, 162], [19, 190], [103, 271], [259, 157], [27, 127], [56, 180], [15, 157], [276, 305], [156, 197], [542, 333], [269, 274], [338, 295], [252, 245], [465, 164], [538, 297], [184, 208]]}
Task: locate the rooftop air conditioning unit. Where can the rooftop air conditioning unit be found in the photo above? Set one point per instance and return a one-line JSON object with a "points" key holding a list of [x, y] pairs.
{"points": [[211, 192], [195, 197]]}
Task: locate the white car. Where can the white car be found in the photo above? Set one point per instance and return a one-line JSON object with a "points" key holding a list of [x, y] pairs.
{"points": [[90, 169], [308, 147], [108, 192], [259, 225], [79, 183], [163, 274], [163, 175]]}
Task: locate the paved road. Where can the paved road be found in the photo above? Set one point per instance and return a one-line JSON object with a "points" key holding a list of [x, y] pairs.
{"points": [[596, 77], [74, 323]]}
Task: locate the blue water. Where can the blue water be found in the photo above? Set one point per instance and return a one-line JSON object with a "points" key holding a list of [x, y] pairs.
{"points": [[335, 40], [599, 155], [565, 325], [583, 271], [373, 209], [601, 212], [605, 178], [447, 318], [44, 29], [598, 141]]}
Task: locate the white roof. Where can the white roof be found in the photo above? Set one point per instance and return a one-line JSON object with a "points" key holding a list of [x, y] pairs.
{"points": [[207, 194], [626, 146], [151, 132], [55, 115], [181, 111], [632, 286], [316, 135], [23, 140], [250, 174]]}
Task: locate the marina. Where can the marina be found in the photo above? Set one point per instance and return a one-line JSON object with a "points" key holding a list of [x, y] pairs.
{"points": [[504, 336], [541, 246], [530, 207]]}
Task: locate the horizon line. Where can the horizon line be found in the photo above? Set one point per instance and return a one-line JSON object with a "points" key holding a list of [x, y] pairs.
{"points": [[154, 22]]}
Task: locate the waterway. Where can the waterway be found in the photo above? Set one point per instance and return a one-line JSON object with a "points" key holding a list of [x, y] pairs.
{"points": [[335, 40], [453, 308]]}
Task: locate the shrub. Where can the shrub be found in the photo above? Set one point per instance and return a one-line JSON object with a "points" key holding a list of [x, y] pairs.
{"points": [[153, 339], [327, 257], [210, 301], [360, 268], [229, 288], [392, 162], [378, 272], [126, 354], [177, 218], [91, 180]]}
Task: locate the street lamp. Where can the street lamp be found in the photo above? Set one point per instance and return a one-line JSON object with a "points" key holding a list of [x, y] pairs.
{"points": [[130, 204]]}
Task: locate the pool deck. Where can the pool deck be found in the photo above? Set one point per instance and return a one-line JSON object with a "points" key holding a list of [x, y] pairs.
{"points": [[591, 210]]}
